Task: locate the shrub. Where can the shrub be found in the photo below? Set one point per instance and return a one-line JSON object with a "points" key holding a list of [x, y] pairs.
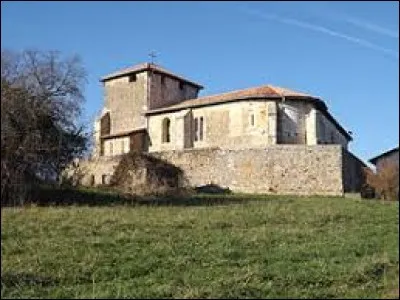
{"points": [[385, 182], [142, 174]]}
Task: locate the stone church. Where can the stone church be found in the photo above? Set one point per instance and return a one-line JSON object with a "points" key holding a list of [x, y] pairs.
{"points": [[150, 109]]}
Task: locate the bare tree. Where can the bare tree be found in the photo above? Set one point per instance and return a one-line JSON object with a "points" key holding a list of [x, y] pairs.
{"points": [[41, 100]]}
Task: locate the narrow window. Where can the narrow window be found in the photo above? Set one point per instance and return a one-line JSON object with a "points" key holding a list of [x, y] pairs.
{"points": [[101, 148], [132, 78], [122, 146], [196, 129], [201, 129], [252, 119], [105, 124], [103, 179], [92, 180], [111, 148], [162, 79], [180, 85], [166, 130]]}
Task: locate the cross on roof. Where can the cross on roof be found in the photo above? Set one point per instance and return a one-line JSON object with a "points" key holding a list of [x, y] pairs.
{"points": [[152, 55]]}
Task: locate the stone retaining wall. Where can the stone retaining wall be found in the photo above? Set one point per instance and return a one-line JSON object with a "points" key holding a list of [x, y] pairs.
{"points": [[277, 169], [280, 169]]}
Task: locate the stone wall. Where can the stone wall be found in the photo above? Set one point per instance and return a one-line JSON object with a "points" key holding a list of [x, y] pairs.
{"points": [[292, 121], [278, 169], [327, 132], [165, 90], [94, 171], [116, 146], [353, 175], [126, 102], [227, 125]]}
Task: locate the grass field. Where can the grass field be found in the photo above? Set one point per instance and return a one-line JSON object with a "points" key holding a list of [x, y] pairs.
{"points": [[268, 247]]}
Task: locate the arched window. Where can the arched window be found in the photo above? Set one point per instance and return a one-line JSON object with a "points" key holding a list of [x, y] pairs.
{"points": [[166, 130], [105, 124]]}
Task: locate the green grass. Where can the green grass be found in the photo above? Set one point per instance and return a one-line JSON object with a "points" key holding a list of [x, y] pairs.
{"points": [[268, 247]]}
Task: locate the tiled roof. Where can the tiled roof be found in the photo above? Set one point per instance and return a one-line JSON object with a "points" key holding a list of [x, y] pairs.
{"points": [[146, 67], [266, 91], [261, 92]]}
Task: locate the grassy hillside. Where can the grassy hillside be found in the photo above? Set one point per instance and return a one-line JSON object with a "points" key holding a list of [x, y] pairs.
{"points": [[263, 248]]}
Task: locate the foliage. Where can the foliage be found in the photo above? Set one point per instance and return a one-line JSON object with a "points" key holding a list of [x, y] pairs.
{"points": [[142, 174], [386, 181], [269, 247], [41, 98]]}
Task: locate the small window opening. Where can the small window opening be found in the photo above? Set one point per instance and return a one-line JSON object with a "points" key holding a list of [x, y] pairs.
{"points": [[92, 180], [105, 124], [132, 78], [104, 179], [162, 79], [201, 129], [198, 129], [181, 85], [166, 124]]}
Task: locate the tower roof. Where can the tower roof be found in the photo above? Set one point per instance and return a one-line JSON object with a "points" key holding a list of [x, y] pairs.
{"points": [[147, 67]]}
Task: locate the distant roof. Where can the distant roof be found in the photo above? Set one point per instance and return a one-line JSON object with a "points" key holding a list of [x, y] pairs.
{"points": [[376, 158], [147, 67], [261, 92]]}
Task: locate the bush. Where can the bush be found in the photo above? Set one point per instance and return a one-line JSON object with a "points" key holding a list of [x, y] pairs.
{"points": [[385, 182], [367, 191], [142, 174]]}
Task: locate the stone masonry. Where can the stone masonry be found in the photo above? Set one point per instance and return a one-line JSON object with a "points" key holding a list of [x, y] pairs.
{"points": [[283, 169], [278, 169]]}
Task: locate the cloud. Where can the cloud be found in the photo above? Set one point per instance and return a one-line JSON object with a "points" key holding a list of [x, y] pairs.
{"points": [[360, 23], [371, 27], [324, 30]]}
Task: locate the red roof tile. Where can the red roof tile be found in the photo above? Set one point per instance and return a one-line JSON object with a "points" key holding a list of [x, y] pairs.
{"points": [[266, 91], [261, 92]]}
